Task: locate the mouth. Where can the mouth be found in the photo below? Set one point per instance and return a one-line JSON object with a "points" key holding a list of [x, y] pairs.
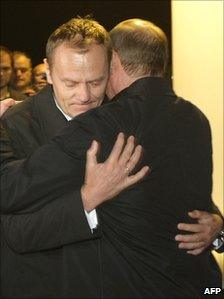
{"points": [[82, 105]]}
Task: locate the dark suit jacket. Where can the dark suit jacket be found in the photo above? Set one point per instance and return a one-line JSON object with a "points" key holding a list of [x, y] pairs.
{"points": [[25, 128], [137, 254]]}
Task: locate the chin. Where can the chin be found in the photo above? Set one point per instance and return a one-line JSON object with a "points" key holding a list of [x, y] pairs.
{"points": [[76, 113]]}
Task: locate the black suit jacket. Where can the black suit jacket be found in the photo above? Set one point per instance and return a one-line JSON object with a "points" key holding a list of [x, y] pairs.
{"points": [[25, 128], [137, 254]]}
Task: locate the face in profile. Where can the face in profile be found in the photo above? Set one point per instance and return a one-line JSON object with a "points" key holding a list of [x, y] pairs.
{"points": [[22, 71], [39, 76], [79, 78], [5, 69]]}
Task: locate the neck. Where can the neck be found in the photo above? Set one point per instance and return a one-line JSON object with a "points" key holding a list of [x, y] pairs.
{"points": [[21, 89], [4, 92], [129, 80]]}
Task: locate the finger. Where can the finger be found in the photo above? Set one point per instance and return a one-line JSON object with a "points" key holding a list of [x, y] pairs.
{"points": [[127, 151], [91, 155], [117, 148], [135, 158], [194, 228], [133, 179], [198, 214], [197, 237], [193, 238], [194, 245], [196, 251]]}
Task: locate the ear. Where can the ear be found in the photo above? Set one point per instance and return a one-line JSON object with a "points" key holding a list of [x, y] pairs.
{"points": [[48, 71], [113, 62]]}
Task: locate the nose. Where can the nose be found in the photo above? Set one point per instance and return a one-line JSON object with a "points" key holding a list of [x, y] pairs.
{"points": [[84, 93], [18, 72]]}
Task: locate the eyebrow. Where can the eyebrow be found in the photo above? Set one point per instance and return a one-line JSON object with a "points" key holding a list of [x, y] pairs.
{"points": [[97, 79], [101, 78]]}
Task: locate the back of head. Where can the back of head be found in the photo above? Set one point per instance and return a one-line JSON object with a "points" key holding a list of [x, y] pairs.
{"points": [[78, 33], [141, 46]]}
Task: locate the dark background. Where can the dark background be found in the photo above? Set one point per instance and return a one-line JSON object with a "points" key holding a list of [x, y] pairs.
{"points": [[26, 25]]}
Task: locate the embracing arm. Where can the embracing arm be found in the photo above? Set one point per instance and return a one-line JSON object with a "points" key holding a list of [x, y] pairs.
{"points": [[201, 234], [60, 222]]}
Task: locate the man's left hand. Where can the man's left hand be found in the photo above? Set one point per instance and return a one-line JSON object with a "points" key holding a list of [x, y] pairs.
{"points": [[203, 233]]}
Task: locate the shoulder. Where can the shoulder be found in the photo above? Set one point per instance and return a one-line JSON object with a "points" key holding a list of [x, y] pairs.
{"points": [[25, 109], [19, 110], [187, 110], [112, 116], [190, 121]]}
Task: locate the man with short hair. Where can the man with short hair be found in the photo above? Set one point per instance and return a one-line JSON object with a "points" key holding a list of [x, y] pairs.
{"points": [[136, 256], [25, 130], [6, 71], [22, 80]]}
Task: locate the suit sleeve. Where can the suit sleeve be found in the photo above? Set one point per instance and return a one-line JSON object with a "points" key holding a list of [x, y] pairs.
{"points": [[28, 184], [58, 223], [41, 207]]}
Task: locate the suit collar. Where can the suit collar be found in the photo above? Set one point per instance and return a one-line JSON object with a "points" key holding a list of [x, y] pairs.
{"points": [[148, 87], [51, 119]]}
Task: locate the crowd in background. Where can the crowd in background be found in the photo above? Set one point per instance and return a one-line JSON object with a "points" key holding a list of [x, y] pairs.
{"points": [[19, 78]]}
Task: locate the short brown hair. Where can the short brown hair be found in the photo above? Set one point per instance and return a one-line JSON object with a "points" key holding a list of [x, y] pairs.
{"points": [[141, 46], [78, 33]]}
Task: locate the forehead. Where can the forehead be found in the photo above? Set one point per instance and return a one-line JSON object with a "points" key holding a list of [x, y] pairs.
{"points": [[5, 57], [39, 69], [75, 63], [21, 60]]}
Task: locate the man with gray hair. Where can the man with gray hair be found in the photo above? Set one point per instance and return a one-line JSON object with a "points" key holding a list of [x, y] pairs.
{"points": [[136, 256]]}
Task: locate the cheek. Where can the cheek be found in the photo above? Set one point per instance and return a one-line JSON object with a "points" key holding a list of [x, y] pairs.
{"points": [[101, 90], [8, 77], [26, 76], [63, 95], [97, 95]]}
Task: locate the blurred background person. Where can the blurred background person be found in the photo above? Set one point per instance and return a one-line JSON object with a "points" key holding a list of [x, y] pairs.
{"points": [[22, 79], [39, 77], [6, 71]]}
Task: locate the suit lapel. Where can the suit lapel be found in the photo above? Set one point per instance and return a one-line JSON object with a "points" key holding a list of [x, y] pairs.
{"points": [[49, 116]]}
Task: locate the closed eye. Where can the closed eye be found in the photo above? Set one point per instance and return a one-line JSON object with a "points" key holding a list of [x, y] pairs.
{"points": [[70, 83], [95, 83]]}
